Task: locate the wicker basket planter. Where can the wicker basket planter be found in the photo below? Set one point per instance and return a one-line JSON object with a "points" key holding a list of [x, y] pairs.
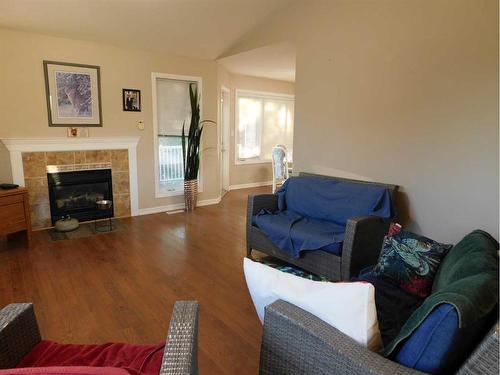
{"points": [[191, 194]]}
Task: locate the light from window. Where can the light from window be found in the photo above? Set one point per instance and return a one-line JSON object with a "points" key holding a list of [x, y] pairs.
{"points": [[263, 122]]}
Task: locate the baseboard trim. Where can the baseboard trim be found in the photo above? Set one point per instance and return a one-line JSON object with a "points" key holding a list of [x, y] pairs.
{"points": [[250, 185], [176, 206]]}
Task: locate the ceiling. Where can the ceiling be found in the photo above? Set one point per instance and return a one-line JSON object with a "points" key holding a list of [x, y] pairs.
{"points": [[276, 61], [195, 28]]}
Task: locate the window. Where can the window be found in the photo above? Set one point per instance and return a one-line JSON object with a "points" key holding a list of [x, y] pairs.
{"points": [[171, 109], [263, 121]]}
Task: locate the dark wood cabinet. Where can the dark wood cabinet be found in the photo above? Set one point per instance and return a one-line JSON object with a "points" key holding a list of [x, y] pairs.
{"points": [[15, 212]]}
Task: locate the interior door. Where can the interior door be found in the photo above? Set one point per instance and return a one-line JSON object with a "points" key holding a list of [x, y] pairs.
{"points": [[225, 116]]}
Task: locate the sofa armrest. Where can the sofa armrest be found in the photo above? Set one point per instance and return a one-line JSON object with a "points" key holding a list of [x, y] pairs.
{"points": [[296, 342], [259, 202], [19, 333], [484, 359], [181, 349], [363, 240]]}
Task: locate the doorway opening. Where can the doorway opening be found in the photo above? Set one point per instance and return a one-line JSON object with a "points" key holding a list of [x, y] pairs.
{"points": [[225, 108]]}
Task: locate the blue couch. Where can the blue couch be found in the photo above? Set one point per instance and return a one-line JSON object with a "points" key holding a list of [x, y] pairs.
{"points": [[329, 226]]}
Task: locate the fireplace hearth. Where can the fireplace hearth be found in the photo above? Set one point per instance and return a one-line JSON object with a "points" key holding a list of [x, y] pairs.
{"points": [[75, 193]]}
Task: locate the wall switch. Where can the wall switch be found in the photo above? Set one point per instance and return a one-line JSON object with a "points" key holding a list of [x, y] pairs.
{"points": [[140, 125]]}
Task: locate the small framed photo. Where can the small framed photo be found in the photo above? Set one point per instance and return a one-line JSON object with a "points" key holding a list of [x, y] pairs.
{"points": [[132, 100], [77, 132], [73, 94]]}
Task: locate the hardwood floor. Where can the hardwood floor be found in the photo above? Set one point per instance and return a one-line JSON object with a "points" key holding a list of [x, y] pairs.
{"points": [[122, 286]]}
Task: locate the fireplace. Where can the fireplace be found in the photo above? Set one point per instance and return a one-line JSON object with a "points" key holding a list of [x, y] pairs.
{"points": [[75, 194]]}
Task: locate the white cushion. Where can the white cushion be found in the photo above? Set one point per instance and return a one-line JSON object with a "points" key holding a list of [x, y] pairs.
{"points": [[349, 306]]}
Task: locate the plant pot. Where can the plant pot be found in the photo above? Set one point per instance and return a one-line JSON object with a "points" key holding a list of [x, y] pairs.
{"points": [[190, 194]]}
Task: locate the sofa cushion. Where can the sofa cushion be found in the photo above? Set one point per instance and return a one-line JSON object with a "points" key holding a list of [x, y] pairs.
{"points": [[334, 200], [293, 233], [349, 307], [468, 280], [394, 305], [138, 359], [410, 261], [426, 349]]}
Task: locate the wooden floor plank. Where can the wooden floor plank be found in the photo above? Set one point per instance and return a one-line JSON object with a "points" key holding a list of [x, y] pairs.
{"points": [[122, 286]]}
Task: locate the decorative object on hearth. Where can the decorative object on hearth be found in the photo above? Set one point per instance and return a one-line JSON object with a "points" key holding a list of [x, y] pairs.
{"points": [[8, 186], [131, 100], [104, 204], [73, 94], [191, 149], [77, 132], [85, 230], [66, 224]]}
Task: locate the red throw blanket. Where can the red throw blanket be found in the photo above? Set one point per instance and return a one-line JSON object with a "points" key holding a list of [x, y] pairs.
{"points": [[136, 359]]}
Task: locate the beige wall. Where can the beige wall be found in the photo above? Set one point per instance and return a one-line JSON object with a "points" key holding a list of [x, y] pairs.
{"points": [[240, 174], [23, 106], [403, 92]]}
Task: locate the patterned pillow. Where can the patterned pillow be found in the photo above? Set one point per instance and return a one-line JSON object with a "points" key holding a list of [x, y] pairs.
{"points": [[410, 261], [294, 271]]}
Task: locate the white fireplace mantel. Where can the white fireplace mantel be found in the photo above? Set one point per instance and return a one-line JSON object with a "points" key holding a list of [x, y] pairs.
{"points": [[16, 146]]}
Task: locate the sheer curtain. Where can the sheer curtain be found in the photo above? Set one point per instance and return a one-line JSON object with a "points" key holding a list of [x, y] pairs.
{"points": [[263, 122]]}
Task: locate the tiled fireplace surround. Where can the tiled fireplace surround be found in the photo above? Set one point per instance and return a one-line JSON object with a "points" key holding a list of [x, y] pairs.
{"points": [[35, 178], [34, 170]]}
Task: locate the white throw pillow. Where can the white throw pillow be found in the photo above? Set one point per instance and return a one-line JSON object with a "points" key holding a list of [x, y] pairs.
{"points": [[347, 306]]}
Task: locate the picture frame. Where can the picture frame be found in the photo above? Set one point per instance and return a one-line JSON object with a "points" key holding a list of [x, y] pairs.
{"points": [[131, 99], [73, 93]]}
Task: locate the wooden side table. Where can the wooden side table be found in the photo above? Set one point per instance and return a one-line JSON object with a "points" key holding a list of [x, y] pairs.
{"points": [[15, 212]]}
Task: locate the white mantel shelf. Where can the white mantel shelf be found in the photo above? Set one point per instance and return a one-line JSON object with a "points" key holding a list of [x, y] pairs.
{"points": [[69, 144], [16, 146]]}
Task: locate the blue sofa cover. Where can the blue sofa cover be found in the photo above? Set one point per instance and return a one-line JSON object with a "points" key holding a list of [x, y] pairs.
{"points": [[313, 212]]}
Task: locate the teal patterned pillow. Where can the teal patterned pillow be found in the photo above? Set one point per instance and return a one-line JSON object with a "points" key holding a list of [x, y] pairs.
{"points": [[410, 261]]}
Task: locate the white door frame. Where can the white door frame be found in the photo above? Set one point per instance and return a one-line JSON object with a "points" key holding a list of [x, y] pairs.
{"points": [[224, 140]]}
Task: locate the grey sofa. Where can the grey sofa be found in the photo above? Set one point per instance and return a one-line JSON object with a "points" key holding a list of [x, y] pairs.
{"points": [[296, 342], [19, 333], [361, 247]]}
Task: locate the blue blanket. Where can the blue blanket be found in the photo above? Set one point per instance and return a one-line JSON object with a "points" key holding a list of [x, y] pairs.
{"points": [[313, 212]]}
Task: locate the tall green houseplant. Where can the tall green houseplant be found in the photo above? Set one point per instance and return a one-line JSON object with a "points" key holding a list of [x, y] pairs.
{"points": [[191, 149]]}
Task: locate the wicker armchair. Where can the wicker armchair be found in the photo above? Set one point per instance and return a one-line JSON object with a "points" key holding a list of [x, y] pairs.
{"points": [[19, 333], [361, 248], [296, 342]]}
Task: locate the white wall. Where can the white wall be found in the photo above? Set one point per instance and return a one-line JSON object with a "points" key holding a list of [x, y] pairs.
{"points": [[24, 112], [404, 92]]}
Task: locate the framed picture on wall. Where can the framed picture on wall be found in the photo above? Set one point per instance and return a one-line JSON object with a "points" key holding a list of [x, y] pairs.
{"points": [[131, 100], [73, 94]]}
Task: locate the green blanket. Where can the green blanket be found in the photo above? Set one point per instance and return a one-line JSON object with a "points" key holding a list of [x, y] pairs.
{"points": [[467, 278]]}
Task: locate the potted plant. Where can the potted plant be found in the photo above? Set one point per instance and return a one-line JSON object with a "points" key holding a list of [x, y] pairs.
{"points": [[191, 149]]}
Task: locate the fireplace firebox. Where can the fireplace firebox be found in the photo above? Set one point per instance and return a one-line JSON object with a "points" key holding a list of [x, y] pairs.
{"points": [[76, 193]]}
